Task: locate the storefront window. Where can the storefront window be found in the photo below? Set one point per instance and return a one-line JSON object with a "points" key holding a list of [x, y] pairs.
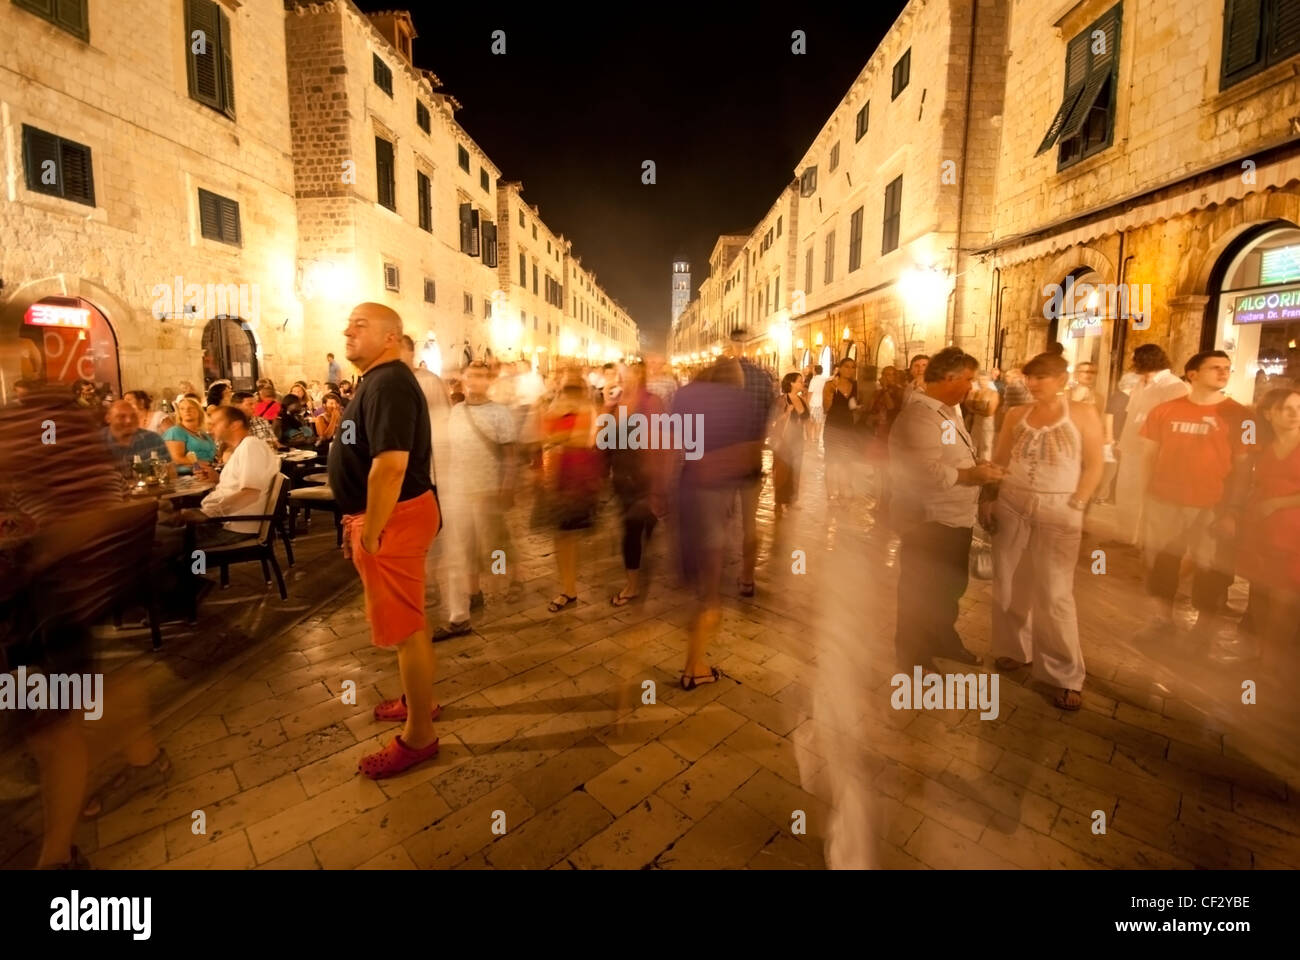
{"points": [[73, 341], [1084, 324], [1258, 315]]}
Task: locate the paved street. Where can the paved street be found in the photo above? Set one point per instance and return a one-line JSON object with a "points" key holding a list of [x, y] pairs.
{"points": [[543, 725]]}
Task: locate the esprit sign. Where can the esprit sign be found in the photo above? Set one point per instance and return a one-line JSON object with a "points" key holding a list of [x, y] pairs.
{"points": [[53, 315], [1262, 307]]}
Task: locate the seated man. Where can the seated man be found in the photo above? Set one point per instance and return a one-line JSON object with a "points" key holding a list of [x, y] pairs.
{"points": [[242, 485], [259, 427], [125, 438]]}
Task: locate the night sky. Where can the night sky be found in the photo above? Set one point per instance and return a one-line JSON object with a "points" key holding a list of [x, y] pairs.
{"points": [[575, 106]]}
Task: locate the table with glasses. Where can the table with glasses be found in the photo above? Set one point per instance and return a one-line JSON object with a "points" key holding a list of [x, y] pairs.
{"points": [[181, 492]]}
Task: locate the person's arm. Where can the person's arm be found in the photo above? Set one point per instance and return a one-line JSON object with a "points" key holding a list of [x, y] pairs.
{"points": [[176, 449], [383, 486], [1094, 460], [828, 394]]}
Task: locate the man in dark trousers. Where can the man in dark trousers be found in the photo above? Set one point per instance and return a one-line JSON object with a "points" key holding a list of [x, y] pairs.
{"points": [[379, 472], [935, 479]]}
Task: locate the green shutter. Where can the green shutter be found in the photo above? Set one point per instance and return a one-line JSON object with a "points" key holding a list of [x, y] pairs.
{"points": [[227, 66], [1285, 41], [209, 215], [42, 8], [1076, 75], [202, 15], [76, 172], [1243, 36], [230, 227], [38, 148]]}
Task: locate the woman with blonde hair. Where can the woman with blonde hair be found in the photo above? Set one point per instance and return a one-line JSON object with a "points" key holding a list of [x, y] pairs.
{"points": [[188, 441], [571, 471]]}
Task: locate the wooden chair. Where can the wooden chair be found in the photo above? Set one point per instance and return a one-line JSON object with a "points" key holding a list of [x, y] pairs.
{"points": [[258, 546]]}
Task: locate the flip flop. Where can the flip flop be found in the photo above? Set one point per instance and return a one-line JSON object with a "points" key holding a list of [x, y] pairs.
{"points": [[622, 600], [1063, 701], [690, 683], [557, 607], [395, 710], [395, 758]]}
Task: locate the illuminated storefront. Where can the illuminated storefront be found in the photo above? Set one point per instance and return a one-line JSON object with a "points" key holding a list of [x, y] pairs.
{"points": [[70, 340]]}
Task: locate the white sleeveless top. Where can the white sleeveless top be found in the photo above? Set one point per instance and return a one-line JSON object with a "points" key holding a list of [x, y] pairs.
{"points": [[1047, 459]]}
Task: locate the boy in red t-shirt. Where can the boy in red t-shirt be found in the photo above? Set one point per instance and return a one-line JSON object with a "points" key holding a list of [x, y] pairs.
{"points": [[1194, 450]]}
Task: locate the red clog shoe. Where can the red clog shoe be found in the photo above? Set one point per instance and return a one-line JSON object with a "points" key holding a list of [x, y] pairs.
{"points": [[395, 758]]}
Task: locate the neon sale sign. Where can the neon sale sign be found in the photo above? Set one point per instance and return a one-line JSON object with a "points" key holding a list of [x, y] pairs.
{"points": [[51, 315]]}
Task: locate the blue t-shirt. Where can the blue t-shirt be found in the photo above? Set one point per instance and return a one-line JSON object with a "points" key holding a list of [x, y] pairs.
{"points": [[203, 446], [143, 442]]}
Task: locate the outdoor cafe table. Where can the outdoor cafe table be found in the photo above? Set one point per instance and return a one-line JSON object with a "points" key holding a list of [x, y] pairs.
{"points": [[182, 493]]}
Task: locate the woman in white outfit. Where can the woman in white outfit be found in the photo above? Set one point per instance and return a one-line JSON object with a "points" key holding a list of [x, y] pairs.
{"points": [[1052, 453]]}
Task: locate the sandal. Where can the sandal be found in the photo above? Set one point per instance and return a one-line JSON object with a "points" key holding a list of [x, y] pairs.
{"points": [[395, 758], [129, 782], [621, 599], [1006, 663], [395, 710], [690, 683], [555, 606], [1068, 699]]}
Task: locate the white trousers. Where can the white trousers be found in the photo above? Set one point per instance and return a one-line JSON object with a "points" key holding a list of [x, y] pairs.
{"points": [[1035, 551], [475, 529], [1130, 497]]}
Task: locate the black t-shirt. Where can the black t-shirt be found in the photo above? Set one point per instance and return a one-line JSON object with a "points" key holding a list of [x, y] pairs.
{"points": [[387, 412]]}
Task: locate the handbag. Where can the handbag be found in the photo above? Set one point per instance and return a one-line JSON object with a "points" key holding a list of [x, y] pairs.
{"points": [[981, 558]]}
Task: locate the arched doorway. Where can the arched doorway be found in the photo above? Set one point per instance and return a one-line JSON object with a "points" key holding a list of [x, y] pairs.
{"points": [[68, 339], [229, 353], [1082, 320], [1254, 310]]}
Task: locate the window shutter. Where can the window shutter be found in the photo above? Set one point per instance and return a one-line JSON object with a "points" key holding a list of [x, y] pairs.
{"points": [[384, 173], [227, 66], [1076, 77], [71, 16], [1100, 68], [230, 228], [425, 199], [76, 172], [475, 234], [1242, 36], [1286, 30], [40, 147], [209, 215], [42, 8], [202, 15], [490, 244]]}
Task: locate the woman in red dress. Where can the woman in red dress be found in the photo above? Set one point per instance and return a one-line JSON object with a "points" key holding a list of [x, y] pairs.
{"points": [[1270, 545]]}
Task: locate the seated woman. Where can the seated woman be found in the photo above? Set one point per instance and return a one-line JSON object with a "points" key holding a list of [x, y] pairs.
{"points": [[295, 428], [327, 422], [189, 442], [219, 394]]}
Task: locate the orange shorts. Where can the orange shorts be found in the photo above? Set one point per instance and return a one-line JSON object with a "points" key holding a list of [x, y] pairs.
{"points": [[393, 576]]}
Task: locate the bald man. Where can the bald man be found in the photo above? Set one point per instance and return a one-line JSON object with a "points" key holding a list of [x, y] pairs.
{"points": [[124, 437], [379, 472]]}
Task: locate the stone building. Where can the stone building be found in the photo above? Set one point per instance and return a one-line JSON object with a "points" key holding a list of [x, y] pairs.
{"points": [[148, 229], [1151, 142], [531, 280], [681, 287]]}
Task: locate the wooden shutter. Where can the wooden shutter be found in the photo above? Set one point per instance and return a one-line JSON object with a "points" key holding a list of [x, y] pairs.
{"points": [[465, 228], [1101, 67], [71, 16], [230, 226], [1076, 78], [42, 8], [1285, 41], [227, 67], [1243, 36], [76, 172], [474, 234], [202, 67], [209, 215], [425, 201], [384, 173], [490, 244], [38, 148]]}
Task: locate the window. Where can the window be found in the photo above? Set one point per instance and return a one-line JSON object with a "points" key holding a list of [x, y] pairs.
{"points": [[71, 15], [835, 159], [422, 116], [462, 157], [808, 182], [1256, 35], [523, 269], [430, 291], [534, 231], [211, 74], [860, 125], [893, 215], [424, 192], [778, 225], [468, 302], [487, 308], [490, 243], [1084, 122], [830, 258], [469, 232], [483, 180], [383, 76], [855, 240], [219, 218], [58, 167], [521, 219], [548, 246], [390, 277], [534, 278], [902, 74], [387, 194]]}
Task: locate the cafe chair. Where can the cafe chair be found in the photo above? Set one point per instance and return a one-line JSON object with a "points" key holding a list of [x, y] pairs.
{"points": [[308, 499], [258, 546]]}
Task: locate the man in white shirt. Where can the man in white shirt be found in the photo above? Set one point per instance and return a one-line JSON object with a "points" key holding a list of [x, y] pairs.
{"points": [[243, 486], [1156, 385], [816, 387], [438, 399], [935, 479]]}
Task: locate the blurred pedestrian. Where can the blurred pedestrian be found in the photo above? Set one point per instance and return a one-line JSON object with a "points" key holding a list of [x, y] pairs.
{"points": [[1156, 384], [787, 442], [571, 470]]}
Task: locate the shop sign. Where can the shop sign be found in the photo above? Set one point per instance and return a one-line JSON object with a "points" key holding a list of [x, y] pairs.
{"points": [[1283, 304], [1085, 326], [52, 315], [1279, 265]]}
